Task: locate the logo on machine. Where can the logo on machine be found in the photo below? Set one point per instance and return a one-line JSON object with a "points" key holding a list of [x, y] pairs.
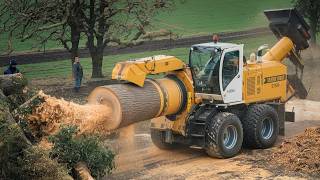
{"points": [[273, 79]]}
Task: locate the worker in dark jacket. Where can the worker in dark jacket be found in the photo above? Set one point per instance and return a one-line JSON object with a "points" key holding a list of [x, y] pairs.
{"points": [[12, 69], [77, 73]]}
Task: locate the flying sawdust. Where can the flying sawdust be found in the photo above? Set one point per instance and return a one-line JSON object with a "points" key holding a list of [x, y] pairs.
{"points": [[53, 113]]}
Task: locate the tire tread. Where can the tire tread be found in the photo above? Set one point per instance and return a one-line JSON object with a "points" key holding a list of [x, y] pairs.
{"points": [[250, 124], [212, 130]]}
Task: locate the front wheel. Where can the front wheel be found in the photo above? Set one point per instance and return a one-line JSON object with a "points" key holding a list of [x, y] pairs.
{"points": [[224, 136]]}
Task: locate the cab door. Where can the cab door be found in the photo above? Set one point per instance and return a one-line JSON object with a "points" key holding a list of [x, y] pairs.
{"points": [[230, 74]]}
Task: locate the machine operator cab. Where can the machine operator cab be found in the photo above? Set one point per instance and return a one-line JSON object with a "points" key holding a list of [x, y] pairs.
{"points": [[217, 71]]}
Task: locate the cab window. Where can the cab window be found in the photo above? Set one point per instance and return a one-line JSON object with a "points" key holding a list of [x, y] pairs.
{"points": [[230, 67], [205, 64]]}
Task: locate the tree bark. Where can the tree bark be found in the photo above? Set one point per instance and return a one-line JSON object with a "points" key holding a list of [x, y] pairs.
{"points": [[74, 23], [12, 84], [96, 52], [75, 39], [97, 59]]}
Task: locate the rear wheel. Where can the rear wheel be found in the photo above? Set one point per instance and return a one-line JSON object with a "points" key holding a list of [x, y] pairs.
{"points": [[261, 126], [158, 139], [224, 136]]}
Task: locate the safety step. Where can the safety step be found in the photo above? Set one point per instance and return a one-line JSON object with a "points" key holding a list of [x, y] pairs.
{"points": [[196, 147], [197, 135], [202, 118], [198, 122]]}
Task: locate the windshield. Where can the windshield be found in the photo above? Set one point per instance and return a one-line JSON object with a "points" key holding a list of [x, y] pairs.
{"points": [[205, 62]]}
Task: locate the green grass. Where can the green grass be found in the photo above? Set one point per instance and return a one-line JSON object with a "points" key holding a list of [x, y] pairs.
{"points": [[62, 69], [192, 18], [209, 16]]}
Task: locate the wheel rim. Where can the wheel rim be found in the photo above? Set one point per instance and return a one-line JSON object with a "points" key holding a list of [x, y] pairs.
{"points": [[230, 137], [267, 128]]}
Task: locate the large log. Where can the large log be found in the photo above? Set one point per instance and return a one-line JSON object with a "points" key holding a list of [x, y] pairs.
{"points": [[12, 84]]}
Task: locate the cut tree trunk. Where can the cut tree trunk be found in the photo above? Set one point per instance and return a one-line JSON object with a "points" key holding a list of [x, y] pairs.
{"points": [[12, 84]]}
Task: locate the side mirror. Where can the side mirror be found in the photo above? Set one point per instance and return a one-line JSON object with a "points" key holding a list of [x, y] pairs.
{"points": [[260, 50]]}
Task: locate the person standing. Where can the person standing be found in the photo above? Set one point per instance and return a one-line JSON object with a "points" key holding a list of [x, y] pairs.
{"points": [[77, 73], [12, 69]]}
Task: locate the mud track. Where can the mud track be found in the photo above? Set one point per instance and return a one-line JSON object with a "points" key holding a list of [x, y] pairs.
{"points": [[154, 45]]}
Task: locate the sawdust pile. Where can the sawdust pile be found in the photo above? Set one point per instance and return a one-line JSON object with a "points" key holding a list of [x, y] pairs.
{"points": [[53, 113], [300, 153]]}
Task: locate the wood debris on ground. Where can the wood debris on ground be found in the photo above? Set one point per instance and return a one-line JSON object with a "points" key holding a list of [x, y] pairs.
{"points": [[300, 154]]}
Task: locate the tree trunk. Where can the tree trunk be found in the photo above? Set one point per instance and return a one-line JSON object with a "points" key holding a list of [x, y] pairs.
{"points": [[97, 59], [75, 29], [75, 39], [12, 84], [96, 53]]}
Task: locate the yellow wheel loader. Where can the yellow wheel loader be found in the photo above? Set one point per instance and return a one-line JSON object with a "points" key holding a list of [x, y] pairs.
{"points": [[219, 101]]}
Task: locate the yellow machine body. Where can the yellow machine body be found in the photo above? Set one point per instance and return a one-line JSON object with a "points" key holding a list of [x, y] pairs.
{"points": [[262, 81], [136, 71], [171, 95], [267, 80], [179, 123], [218, 86], [280, 50]]}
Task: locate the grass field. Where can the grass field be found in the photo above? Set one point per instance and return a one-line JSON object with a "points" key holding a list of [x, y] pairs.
{"points": [[204, 17], [62, 69], [191, 18]]}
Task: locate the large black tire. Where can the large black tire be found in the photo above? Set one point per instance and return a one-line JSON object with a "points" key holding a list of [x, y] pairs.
{"points": [[260, 126], [158, 139], [218, 129]]}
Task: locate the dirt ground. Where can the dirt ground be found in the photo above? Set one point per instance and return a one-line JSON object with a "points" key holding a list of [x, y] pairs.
{"points": [[138, 158]]}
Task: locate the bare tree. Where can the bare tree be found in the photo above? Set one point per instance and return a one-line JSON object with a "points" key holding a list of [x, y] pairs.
{"points": [[102, 22], [122, 22], [42, 20]]}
